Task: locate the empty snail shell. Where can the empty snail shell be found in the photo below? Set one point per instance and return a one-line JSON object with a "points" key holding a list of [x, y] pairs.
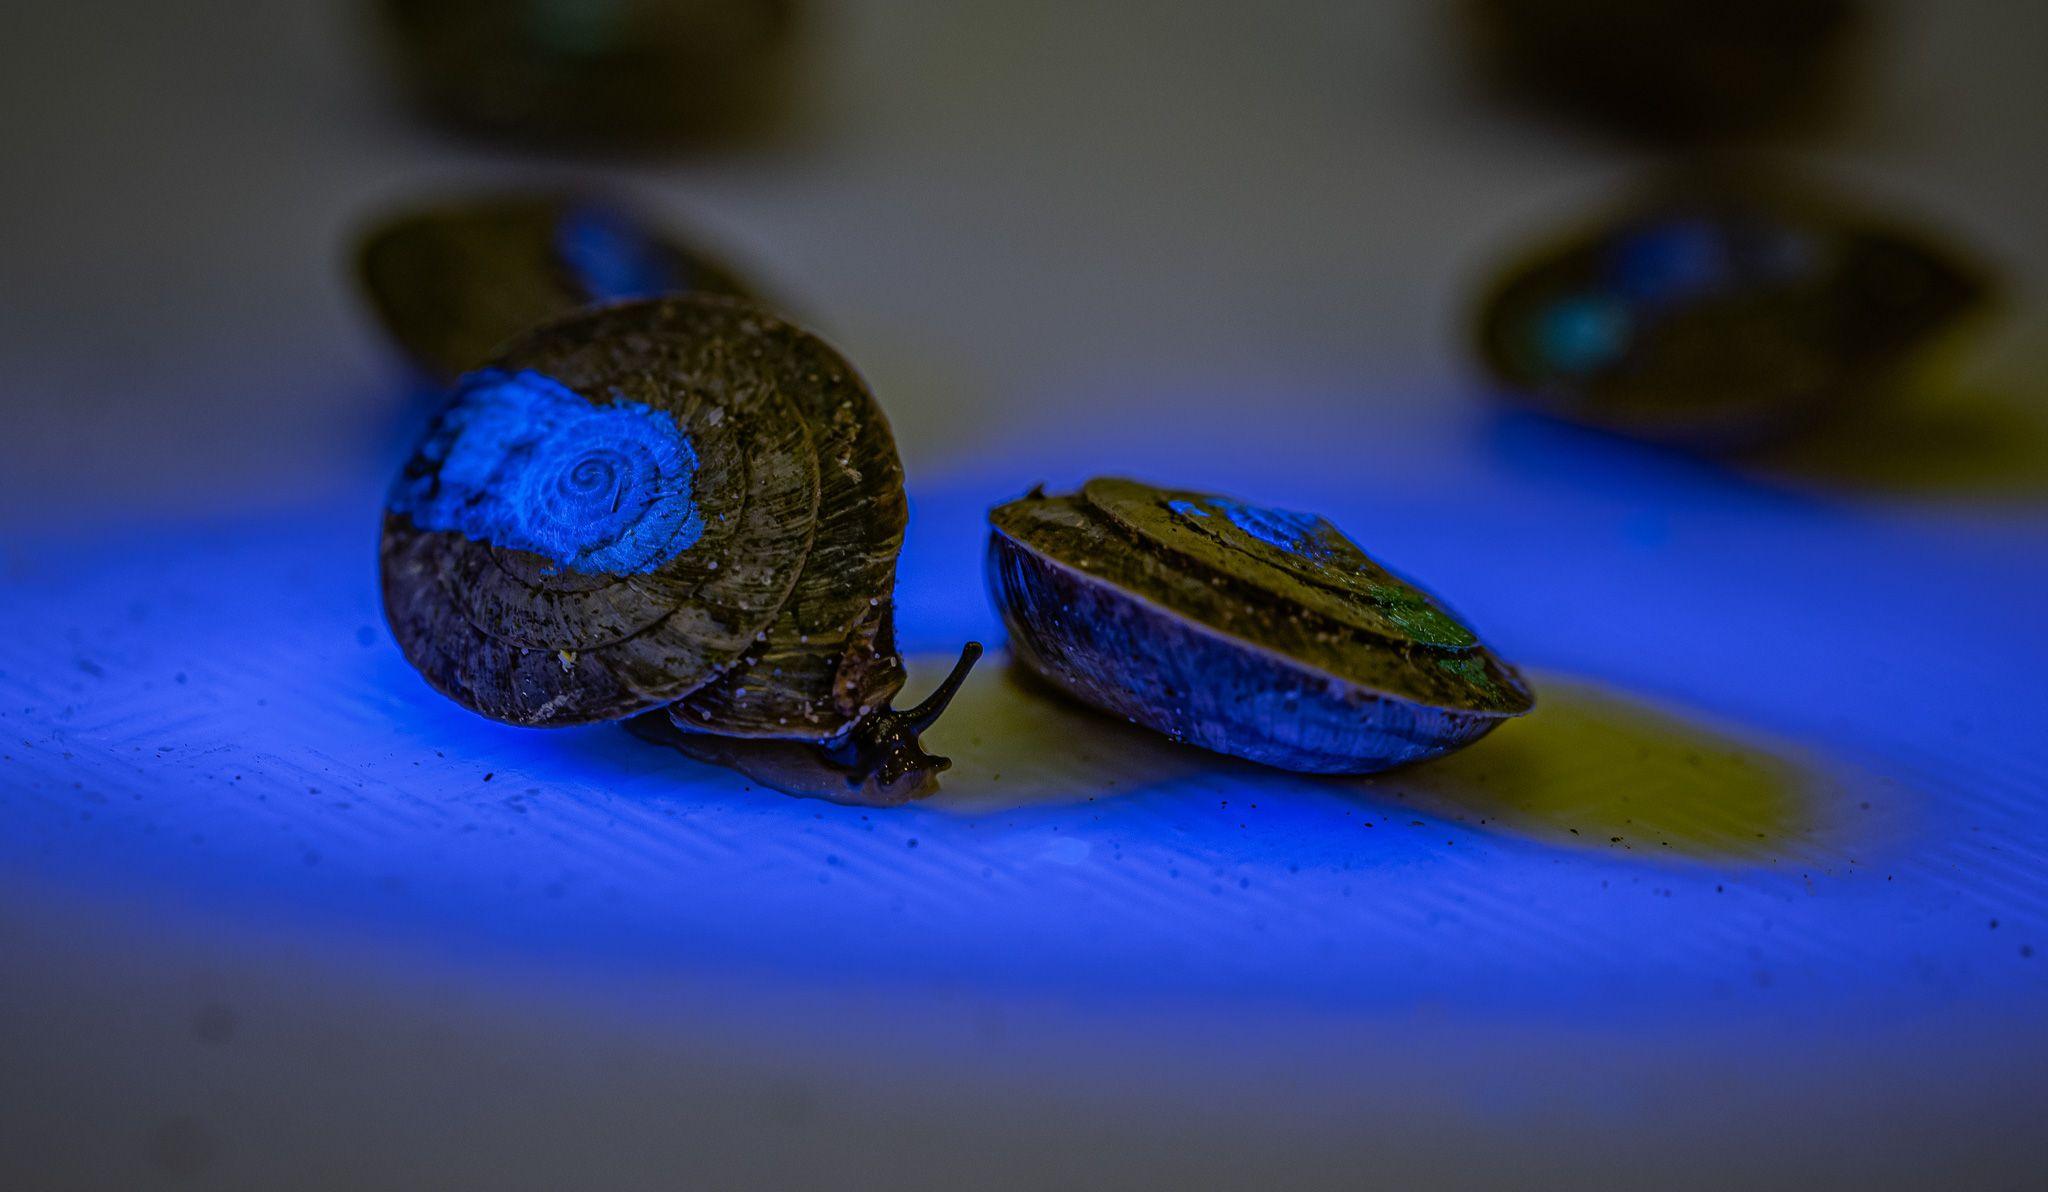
{"points": [[636, 75], [1668, 70], [686, 508], [453, 281], [1254, 632], [1721, 316]]}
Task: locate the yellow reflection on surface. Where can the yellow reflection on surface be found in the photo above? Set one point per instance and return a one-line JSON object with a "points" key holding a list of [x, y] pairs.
{"points": [[1594, 768], [1015, 742], [1969, 446], [1590, 768]]}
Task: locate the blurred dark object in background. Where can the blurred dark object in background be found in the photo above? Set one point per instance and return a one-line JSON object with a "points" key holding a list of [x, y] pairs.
{"points": [[1720, 311], [1667, 70], [597, 74], [454, 280]]}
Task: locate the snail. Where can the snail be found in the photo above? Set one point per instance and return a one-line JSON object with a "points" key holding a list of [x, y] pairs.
{"points": [[1260, 633], [1718, 316], [686, 510], [452, 281], [617, 74]]}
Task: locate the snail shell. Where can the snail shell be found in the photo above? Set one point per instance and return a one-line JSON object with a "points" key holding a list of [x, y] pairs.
{"points": [[1718, 316], [685, 504], [453, 281], [623, 74], [1254, 632], [1668, 70]]}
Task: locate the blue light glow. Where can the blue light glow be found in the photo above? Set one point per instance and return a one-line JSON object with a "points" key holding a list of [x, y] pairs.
{"points": [[527, 464], [612, 257], [1810, 830]]}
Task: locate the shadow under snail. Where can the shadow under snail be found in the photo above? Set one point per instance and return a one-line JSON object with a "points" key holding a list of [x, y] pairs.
{"points": [[685, 511], [1718, 313], [1254, 632], [451, 281]]}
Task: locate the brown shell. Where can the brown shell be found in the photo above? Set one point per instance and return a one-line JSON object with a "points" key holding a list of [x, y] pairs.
{"points": [[1249, 631], [636, 75], [777, 578], [1717, 312], [454, 281]]}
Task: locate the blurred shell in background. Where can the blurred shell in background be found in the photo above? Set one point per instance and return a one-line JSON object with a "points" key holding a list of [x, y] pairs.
{"points": [[1712, 312], [454, 281], [583, 74], [1667, 69]]}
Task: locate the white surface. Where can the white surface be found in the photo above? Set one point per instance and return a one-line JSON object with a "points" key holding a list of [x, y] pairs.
{"points": [[1057, 241]]}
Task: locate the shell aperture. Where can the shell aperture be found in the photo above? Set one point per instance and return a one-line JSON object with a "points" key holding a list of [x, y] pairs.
{"points": [[526, 464]]}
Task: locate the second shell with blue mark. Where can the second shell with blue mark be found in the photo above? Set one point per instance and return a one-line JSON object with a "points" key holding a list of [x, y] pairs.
{"points": [[1261, 633], [1721, 312]]}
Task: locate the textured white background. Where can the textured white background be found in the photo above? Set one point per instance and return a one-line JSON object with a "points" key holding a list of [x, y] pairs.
{"points": [[264, 922]]}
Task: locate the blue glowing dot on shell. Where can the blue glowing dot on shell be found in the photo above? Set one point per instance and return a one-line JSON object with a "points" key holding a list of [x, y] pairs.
{"points": [[612, 257], [1317, 542], [525, 463], [1582, 333]]}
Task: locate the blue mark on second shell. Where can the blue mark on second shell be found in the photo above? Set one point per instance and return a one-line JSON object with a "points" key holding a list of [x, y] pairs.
{"points": [[523, 462], [1296, 533], [1327, 552], [612, 257]]}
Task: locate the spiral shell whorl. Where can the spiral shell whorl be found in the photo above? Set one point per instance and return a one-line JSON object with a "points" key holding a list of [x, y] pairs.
{"points": [[525, 463]]}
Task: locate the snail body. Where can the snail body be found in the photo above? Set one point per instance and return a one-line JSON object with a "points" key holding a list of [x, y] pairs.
{"points": [[1259, 633], [1715, 316], [451, 282], [683, 507]]}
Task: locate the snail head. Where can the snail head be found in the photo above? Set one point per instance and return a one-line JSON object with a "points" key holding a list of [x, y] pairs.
{"points": [[879, 762], [882, 757]]}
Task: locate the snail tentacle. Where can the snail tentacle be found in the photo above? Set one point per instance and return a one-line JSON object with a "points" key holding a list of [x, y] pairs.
{"points": [[879, 762]]}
